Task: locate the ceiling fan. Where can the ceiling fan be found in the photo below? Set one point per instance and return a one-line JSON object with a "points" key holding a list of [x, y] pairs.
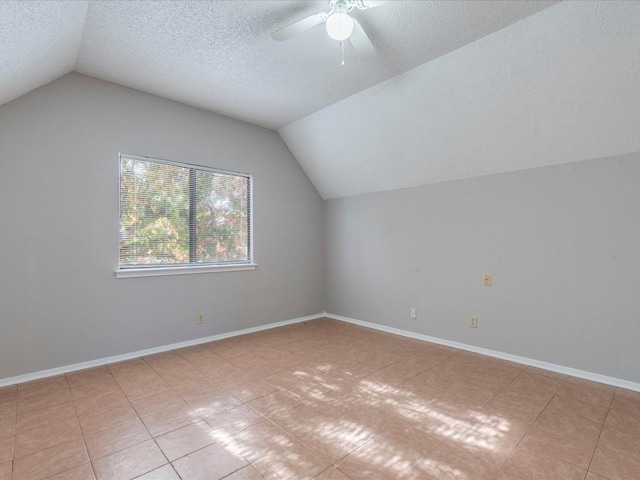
{"points": [[340, 25]]}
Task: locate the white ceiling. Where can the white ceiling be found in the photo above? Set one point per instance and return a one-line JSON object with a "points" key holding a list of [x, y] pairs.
{"points": [[219, 55], [39, 42], [560, 86], [458, 89]]}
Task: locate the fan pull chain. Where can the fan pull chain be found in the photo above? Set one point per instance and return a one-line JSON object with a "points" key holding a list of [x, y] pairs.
{"points": [[342, 45]]}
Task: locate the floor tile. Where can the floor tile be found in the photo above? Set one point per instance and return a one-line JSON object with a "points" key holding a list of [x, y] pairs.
{"points": [[129, 369], [52, 394], [211, 404], [565, 438], [616, 458], [546, 373], [394, 374], [166, 472], [251, 390], [274, 402], [623, 423], [44, 416], [591, 392], [101, 401], [130, 462], [185, 440], [7, 393], [8, 407], [196, 390], [170, 419], [593, 476], [246, 473], [502, 476], [332, 473], [43, 387], [83, 472], [414, 429], [143, 386], [528, 464], [454, 462], [8, 401], [89, 383], [573, 405], [234, 420], [47, 435], [330, 436], [137, 379], [493, 437], [98, 420], [532, 389], [621, 440], [275, 454], [211, 463], [116, 438], [379, 458], [156, 402], [174, 369], [6, 449], [626, 401], [51, 461], [5, 470], [7, 426]]}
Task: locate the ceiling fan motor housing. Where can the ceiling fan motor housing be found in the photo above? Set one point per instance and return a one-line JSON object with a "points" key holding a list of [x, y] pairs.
{"points": [[347, 5], [338, 23]]}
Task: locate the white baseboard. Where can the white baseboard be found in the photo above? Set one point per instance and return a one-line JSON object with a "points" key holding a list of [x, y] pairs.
{"points": [[52, 372], [574, 372]]}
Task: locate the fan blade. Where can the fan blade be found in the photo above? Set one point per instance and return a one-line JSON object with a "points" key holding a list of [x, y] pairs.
{"points": [[361, 43], [366, 4], [300, 26]]}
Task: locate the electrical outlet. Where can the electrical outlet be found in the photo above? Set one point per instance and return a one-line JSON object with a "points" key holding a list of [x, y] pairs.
{"points": [[486, 280], [200, 320], [473, 321], [414, 312]]}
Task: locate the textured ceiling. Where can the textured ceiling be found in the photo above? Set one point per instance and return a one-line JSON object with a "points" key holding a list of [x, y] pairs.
{"points": [[219, 55], [38, 43], [560, 86], [458, 89]]}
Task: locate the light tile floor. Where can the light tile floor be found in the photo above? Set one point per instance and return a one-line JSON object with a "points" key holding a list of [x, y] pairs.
{"points": [[322, 400]]}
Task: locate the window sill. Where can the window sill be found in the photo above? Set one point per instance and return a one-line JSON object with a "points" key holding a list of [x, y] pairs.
{"points": [[188, 270]]}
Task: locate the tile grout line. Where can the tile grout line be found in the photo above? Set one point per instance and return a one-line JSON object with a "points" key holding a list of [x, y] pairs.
{"points": [[84, 442], [602, 430], [141, 421]]}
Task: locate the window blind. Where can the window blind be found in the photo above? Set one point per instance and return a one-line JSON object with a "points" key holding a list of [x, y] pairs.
{"points": [[174, 214]]}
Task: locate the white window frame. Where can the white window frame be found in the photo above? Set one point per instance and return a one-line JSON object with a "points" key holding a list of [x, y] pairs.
{"points": [[185, 269]]}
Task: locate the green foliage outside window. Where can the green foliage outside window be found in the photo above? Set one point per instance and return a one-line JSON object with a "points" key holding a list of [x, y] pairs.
{"points": [[172, 214]]}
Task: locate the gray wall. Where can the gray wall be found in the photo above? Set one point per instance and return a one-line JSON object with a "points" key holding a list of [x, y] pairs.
{"points": [[562, 244], [59, 300]]}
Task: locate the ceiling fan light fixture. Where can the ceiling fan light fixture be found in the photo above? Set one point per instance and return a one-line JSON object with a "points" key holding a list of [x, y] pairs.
{"points": [[339, 25]]}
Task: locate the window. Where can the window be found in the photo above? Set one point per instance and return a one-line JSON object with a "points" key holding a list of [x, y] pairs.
{"points": [[179, 218]]}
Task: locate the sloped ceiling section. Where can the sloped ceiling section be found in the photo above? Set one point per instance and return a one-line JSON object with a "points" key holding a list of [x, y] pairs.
{"points": [[38, 43], [562, 85], [219, 55]]}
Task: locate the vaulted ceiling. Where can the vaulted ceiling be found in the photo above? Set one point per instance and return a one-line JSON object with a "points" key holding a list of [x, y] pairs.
{"points": [[458, 89]]}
